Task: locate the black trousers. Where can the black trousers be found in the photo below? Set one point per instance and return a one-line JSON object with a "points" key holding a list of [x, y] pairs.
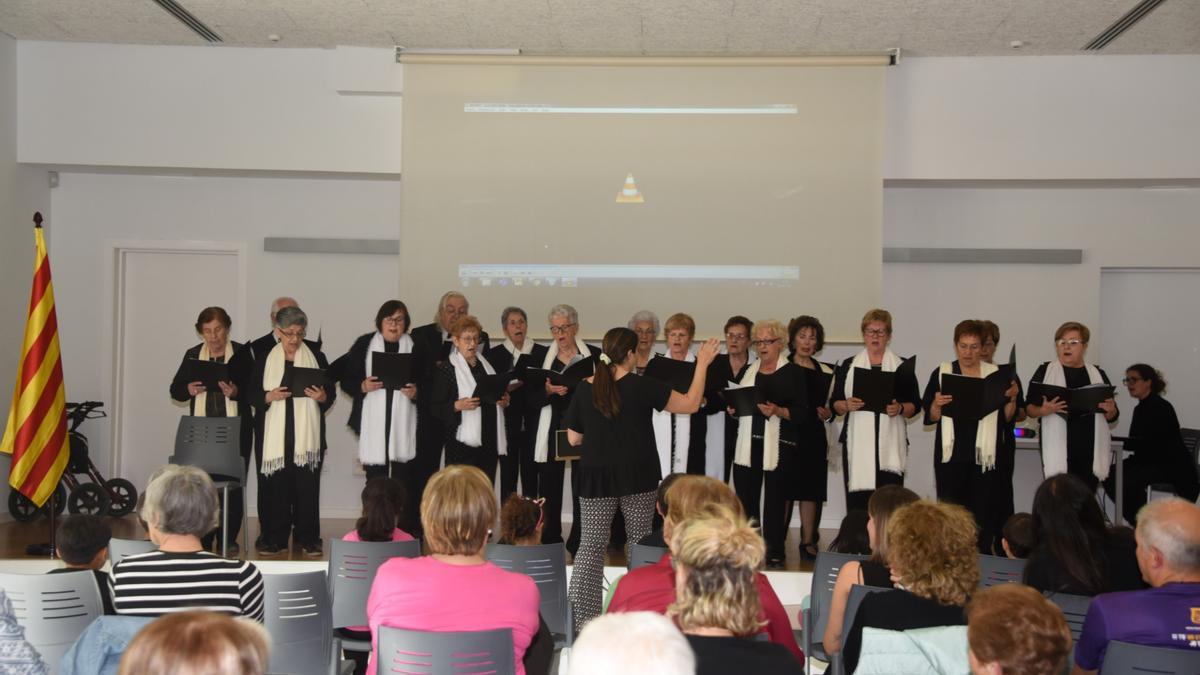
{"points": [[295, 508], [431, 435], [750, 483], [1139, 474], [483, 458], [518, 464], [551, 474], [237, 509], [264, 498], [965, 484], [858, 499]]}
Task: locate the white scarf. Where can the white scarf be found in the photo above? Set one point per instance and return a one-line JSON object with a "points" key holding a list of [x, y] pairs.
{"points": [[662, 421], [200, 401], [860, 432], [526, 348], [541, 448], [402, 437], [1054, 430], [741, 452], [985, 433], [470, 426], [306, 415]]}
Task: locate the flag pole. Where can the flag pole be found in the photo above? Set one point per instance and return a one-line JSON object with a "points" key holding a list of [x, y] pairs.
{"points": [[50, 548]]}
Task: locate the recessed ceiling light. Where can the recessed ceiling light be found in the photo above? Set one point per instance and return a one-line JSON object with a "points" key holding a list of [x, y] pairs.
{"points": [[1016, 44], [273, 37]]}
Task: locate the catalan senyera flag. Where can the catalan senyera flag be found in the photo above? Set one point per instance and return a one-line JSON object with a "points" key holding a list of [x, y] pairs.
{"points": [[36, 432]]}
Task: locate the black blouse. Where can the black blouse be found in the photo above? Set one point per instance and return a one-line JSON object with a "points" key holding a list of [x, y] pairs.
{"points": [[908, 390], [964, 429], [1081, 430], [445, 393], [618, 455], [1154, 434]]}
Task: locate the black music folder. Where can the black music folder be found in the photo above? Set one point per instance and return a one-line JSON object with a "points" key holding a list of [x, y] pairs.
{"points": [[780, 387], [743, 400], [394, 370], [1086, 399], [208, 373], [974, 397], [817, 386], [877, 388], [569, 377], [521, 367], [678, 374], [489, 389], [298, 379], [563, 450]]}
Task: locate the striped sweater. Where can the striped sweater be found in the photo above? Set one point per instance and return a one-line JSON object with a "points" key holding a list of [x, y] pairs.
{"points": [[157, 583]]}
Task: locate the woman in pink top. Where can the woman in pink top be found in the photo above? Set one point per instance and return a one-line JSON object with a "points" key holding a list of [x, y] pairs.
{"points": [[454, 588]]}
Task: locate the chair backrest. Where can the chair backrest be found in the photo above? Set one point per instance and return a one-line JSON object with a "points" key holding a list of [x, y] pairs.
{"points": [[1125, 658], [825, 572], [210, 443], [119, 548], [54, 609], [1074, 609], [468, 653], [994, 570], [857, 593], [1191, 441], [299, 616], [546, 564], [352, 567], [640, 555]]}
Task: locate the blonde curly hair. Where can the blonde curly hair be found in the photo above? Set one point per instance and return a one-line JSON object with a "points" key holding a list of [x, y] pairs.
{"points": [[932, 550], [719, 553]]}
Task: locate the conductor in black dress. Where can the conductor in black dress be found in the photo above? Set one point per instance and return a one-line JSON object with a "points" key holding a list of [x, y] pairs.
{"points": [[213, 326], [431, 346], [521, 415]]}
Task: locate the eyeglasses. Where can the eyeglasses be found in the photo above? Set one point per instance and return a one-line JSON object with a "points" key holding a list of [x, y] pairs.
{"points": [[1132, 380], [736, 337], [1075, 342], [646, 331], [678, 334], [469, 339], [971, 347], [292, 335], [875, 333], [561, 330], [759, 344], [396, 320]]}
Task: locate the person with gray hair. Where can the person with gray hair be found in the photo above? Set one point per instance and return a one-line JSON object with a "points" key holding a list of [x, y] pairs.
{"points": [[293, 437], [521, 415], [645, 324], [180, 507], [632, 642], [1168, 554], [432, 346]]}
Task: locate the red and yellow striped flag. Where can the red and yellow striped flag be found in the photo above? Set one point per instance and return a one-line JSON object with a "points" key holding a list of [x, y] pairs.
{"points": [[36, 432]]}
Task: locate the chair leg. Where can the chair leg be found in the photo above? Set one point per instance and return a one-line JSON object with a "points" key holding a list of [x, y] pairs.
{"points": [[225, 522]]}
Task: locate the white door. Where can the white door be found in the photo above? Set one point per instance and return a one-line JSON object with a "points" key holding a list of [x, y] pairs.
{"points": [[159, 295]]}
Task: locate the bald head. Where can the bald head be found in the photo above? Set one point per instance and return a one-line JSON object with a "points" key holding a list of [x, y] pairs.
{"points": [[1168, 532], [280, 303]]}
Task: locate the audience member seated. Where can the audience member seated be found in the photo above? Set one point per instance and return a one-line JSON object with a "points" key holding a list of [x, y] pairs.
{"points": [[632, 642], [874, 572], [382, 510], [852, 537], [521, 520], [1039, 643], [1168, 553], [1017, 536], [934, 560], [716, 605], [198, 643], [454, 588], [180, 508], [82, 543], [16, 654], [1074, 551], [655, 538], [652, 588]]}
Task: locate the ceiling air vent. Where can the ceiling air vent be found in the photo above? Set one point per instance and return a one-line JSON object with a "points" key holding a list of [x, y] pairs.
{"points": [[1123, 24], [185, 17]]}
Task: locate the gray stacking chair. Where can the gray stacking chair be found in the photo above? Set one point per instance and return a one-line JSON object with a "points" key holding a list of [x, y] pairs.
{"points": [[54, 609], [119, 548], [1123, 658], [857, 592], [546, 564], [420, 652], [994, 570], [214, 445], [1074, 609], [816, 617], [352, 567], [299, 616], [640, 555]]}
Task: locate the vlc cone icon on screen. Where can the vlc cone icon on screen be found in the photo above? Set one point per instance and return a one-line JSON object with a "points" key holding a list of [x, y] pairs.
{"points": [[629, 193]]}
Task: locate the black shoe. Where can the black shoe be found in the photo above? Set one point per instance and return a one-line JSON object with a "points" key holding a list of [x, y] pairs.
{"points": [[313, 550], [232, 550], [266, 550], [775, 563], [808, 552]]}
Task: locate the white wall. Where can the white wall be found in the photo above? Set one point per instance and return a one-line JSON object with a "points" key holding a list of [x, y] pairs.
{"points": [[340, 293]]}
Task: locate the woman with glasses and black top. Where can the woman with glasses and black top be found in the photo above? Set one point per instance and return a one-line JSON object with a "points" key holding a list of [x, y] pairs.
{"points": [[1075, 443], [730, 367], [1159, 455]]}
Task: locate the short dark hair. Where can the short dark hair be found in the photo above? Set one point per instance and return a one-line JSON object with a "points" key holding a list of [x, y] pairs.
{"points": [[806, 321], [80, 537], [739, 320], [971, 327], [389, 308], [660, 497], [213, 313], [1018, 532], [1148, 372]]}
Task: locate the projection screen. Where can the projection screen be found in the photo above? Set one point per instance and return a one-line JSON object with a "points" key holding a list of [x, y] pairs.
{"points": [[711, 190]]}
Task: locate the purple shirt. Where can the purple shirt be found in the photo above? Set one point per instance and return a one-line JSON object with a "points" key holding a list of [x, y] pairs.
{"points": [[1168, 616]]}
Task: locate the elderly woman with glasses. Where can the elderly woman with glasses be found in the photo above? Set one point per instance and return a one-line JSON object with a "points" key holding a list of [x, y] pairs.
{"points": [[1072, 442], [874, 445], [566, 349], [645, 325], [730, 367], [1159, 455], [966, 449], [293, 436]]}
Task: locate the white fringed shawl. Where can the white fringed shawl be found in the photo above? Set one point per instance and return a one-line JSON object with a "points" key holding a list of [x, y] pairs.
{"points": [[306, 415], [860, 432], [1054, 430], [401, 441]]}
